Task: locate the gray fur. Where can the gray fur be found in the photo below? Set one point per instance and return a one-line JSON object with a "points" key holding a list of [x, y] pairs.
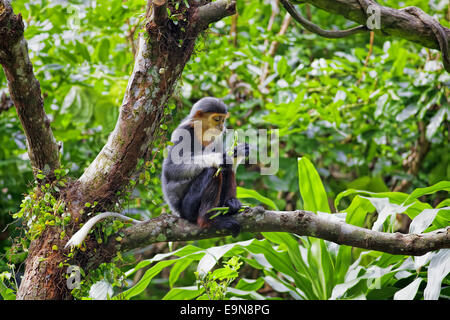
{"points": [[176, 178]]}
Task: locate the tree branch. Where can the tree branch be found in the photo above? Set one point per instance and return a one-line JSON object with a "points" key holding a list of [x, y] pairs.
{"points": [[410, 24], [25, 91], [213, 12], [171, 228], [308, 25]]}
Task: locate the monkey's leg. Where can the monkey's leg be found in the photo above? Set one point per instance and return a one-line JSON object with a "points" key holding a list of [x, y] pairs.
{"points": [[204, 189], [228, 195], [203, 195]]}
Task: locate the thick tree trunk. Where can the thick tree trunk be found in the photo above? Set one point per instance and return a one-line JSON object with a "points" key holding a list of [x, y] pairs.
{"points": [[164, 49], [25, 92]]}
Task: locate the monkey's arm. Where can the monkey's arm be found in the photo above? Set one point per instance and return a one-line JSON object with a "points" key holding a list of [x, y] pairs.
{"points": [[193, 167], [240, 153]]}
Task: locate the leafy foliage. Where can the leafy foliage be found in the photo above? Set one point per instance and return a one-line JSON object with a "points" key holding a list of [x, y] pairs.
{"points": [[359, 118]]}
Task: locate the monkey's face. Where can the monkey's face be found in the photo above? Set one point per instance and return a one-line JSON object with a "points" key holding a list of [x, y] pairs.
{"points": [[212, 125], [217, 120]]}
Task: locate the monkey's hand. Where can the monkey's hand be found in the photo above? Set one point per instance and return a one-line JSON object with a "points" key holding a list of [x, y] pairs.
{"points": [[242, 150], [234, 205]]}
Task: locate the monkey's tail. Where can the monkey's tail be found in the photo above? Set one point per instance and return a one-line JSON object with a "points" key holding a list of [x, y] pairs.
{"points": [[81, 234]]}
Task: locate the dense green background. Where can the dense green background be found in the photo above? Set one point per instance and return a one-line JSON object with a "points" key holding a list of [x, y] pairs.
{"points": [[356, 122]]}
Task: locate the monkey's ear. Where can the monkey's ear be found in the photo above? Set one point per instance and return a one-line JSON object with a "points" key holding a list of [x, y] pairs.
{"points": [[227, 116], [198, 114]]}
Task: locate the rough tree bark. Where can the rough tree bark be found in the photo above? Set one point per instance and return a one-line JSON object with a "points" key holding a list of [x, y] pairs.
{"points": [[164, 49], [394, 22], [304, 223], [409, 23], [25, 92]]}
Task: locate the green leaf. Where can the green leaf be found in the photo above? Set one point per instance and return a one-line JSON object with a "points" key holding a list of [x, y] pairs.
{"points": [[279, 260], [224, 273], [82, 50], [184, 293], [358, 210], [177, 269], [282, 66], [102, 50], [78, 103], [145, 280], [250, 284], [311, 187], [6, 293], [243, 193], [440, 186], [213, 255]]}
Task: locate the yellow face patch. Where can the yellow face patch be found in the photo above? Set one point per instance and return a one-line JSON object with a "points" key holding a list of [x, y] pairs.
{"points": [[212, 124]]}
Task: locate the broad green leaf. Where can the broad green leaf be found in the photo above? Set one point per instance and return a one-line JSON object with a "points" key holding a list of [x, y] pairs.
{"points": [[145, 280], [304, 276], [343, 261], [193, 252], [385, 210], [6, 293], [243, 193], [222, 273], [443, 203], [282, 66], [358, 210], [311, 187], [177, 269], [440, 186], [394, 197], [183, 293], [250, 284], [213, 255], [82, 50], [102, 50], [278, 260], [326, 268]]}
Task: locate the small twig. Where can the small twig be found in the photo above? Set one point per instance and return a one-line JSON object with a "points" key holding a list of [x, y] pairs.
{"points": [[273, 49], [233, 29], [366, 62]]}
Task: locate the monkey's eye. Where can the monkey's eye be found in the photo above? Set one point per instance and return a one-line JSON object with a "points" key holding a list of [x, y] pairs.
{"points": [[217, 119]]}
